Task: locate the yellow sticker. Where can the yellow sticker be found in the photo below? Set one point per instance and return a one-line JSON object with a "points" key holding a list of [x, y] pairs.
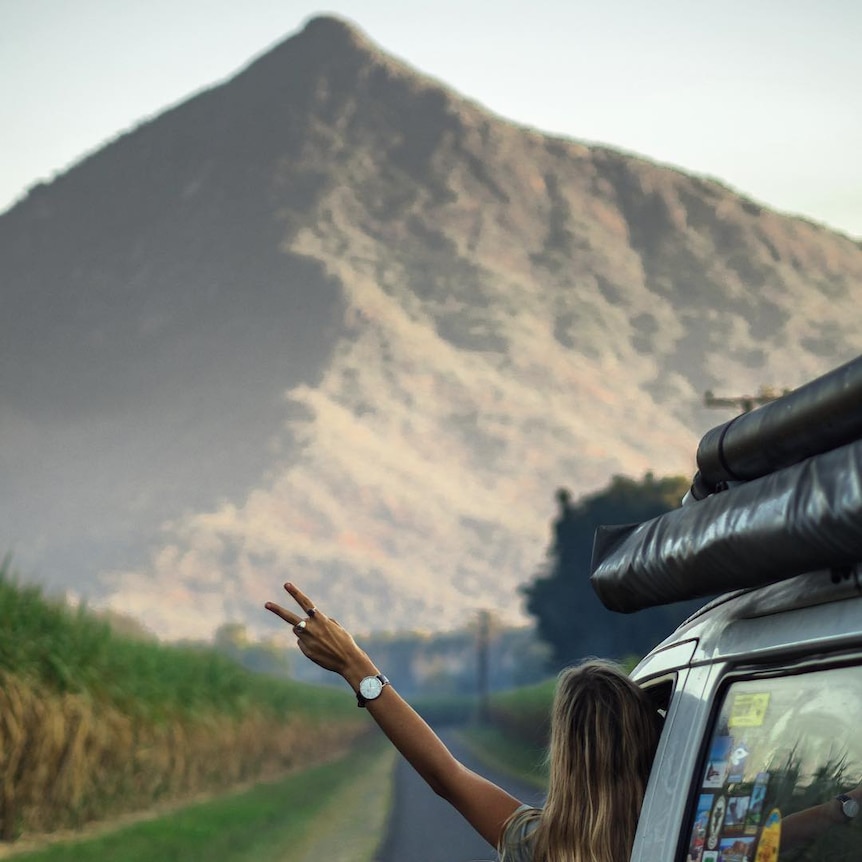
{"points": [[770, 838], [748, 710]]}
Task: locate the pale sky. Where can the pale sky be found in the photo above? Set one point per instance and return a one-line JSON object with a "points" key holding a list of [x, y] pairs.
{"points": [[760, 94]]}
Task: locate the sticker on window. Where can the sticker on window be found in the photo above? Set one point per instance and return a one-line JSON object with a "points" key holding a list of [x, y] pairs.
{"points": [[735, 849], [770, 838], [718, 763], [701, 823], [738, 758], [734, 818], [755, 806], [716, 822], [748, 710]]}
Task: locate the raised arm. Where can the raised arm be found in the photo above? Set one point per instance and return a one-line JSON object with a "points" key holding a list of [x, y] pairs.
{"points": [[485, 805]]}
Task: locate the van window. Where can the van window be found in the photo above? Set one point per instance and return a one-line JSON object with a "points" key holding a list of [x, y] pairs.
{"points": [[780, 751], [659, 693]]}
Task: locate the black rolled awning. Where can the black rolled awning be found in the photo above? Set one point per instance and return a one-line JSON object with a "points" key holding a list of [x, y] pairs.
{"points": [[799, 519]]}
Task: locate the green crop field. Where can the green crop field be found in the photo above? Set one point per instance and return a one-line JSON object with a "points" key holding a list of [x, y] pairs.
{"points": [[73, 651], [94, 725]]}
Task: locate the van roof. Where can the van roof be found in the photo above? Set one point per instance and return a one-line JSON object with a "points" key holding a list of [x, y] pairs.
{"points": [[805, 616]]}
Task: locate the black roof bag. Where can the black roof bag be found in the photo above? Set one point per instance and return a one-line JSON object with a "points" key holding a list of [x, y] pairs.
{"points": [[799, 519]]}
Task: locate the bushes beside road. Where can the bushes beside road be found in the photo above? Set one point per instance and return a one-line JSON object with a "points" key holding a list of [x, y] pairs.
{"points": [[524, 713]]}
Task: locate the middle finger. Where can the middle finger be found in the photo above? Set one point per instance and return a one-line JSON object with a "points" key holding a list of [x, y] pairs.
{"points": [[301, 599]]}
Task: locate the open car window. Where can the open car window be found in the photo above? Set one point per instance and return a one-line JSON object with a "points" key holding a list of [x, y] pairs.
{"points": [[780, 746], [660, 693]]}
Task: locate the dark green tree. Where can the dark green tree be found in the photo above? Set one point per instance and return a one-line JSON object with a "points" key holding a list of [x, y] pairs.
{"points": [[569, 616]]}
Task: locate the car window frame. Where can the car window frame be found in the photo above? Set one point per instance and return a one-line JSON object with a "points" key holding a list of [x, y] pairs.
{"points": [[659, 821]]}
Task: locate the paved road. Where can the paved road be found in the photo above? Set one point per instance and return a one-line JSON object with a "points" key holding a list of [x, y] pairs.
{"points": [[424, 828]]}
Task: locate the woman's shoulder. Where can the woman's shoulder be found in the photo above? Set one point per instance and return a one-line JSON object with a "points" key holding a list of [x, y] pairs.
{"points": [[525, 815], [521, 824]]}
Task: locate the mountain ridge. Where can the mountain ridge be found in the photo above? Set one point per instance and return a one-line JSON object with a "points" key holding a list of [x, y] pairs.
{"points": [[330, 320]]}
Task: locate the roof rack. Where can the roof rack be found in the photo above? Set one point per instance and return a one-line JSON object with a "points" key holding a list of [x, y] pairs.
{"points": [[778, 493]]}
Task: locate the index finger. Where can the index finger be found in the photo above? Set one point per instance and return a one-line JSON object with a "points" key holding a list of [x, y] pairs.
{"points": [[289, 617]]}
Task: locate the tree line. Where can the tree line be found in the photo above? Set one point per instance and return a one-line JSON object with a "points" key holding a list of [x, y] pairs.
{"points": [[570, 619]]}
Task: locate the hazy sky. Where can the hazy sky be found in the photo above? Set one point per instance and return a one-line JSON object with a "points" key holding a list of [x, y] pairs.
{"points": [[761, 94]]}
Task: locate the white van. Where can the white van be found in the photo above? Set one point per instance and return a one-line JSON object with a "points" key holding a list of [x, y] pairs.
{"points": [[761, 689]]}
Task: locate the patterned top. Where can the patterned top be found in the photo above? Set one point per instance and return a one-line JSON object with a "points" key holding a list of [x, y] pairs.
{"points": [[515, 843]]}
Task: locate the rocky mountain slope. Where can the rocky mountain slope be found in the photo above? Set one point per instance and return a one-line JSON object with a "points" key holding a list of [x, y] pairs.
{"points": [[334, 322]]}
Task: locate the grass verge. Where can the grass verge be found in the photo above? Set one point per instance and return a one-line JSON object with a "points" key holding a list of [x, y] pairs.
{"points": [[291, 820], [506, 755]]}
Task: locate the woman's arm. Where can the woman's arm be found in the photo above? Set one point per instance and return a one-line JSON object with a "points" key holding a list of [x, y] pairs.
{"points": [[485, 806], [808, 824]]}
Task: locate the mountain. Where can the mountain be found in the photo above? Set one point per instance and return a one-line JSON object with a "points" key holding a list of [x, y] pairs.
{"points": [[332, 321]]}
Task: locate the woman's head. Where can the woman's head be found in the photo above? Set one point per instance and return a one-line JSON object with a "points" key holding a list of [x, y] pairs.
{"points": [[604, 733], [604, 730]]}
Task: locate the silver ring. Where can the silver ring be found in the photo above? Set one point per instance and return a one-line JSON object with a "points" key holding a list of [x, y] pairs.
{"points": [[300, 626]]}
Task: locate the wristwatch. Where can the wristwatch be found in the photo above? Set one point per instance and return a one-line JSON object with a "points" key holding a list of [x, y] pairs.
{"points": [[370, 688], [849, 806]]}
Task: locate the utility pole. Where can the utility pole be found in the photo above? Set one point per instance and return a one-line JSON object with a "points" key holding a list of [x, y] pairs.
{"points": [[745, 403], [483, 641]]}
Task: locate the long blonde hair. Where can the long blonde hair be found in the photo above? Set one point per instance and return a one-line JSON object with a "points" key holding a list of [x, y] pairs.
{"points": [[604, 733]]}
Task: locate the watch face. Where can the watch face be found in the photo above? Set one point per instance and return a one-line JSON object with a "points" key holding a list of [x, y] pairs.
{"points": [[370, 687], [850, 807]]}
